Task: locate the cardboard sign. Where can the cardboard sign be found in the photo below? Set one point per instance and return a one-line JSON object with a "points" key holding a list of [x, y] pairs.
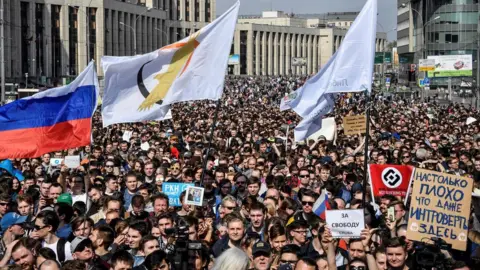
{"points": [[173, 191], [389, 179], [194, 196], [440, 207], [353, 125], [72, 162], [346, 223]]}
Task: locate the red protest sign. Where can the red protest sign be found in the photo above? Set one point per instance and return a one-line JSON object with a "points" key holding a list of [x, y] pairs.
{"points": [[390, 179]]}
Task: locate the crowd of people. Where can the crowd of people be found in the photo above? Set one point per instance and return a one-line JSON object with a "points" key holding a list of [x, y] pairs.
{"points": [[260, 186]]}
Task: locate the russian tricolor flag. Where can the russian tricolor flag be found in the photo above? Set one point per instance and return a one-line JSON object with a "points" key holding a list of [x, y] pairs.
{"points": [[321, 205], [52, 120]]}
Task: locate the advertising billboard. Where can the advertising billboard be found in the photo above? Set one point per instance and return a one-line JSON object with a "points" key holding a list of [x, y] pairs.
{"points": [[299, 61], [451, 65], [234, 59], [426, 65]]}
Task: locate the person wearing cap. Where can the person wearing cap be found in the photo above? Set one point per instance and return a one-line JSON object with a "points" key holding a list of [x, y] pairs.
{"points": [[261, 256], [12, 229], [82, 250]]}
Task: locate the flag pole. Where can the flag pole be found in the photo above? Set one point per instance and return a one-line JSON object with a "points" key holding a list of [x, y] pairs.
{"points": [[367, 135], [215, 117]]}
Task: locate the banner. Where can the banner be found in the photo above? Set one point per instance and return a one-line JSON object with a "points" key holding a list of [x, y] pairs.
{"points": [[440, 207], [389, 179], [329, 128], [299, 61], [346, 223], [451, 65], [234, 59], [353, 125], [426, 65], [173, 191]]}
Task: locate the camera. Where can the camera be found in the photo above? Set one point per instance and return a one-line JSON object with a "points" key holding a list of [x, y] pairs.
{"points": [[429, 256], [183, 254]]}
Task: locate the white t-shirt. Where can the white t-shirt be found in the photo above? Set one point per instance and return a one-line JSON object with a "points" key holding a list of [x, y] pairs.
{"points": [[68, 252]]}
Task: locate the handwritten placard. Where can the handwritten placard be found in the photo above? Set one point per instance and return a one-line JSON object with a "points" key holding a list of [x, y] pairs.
{"points": [[440, 207], [353, 125], [173, 191]]}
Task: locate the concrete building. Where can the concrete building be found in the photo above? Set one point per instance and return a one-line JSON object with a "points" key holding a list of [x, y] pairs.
{"points": [[269, 44], [47, 40], [436, 27]]}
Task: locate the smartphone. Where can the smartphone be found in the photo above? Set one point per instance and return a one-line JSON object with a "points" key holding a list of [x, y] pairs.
{"points": [[391, 214]]}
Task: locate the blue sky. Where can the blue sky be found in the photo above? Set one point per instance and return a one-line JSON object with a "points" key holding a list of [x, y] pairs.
{"points": [[387, 9]]}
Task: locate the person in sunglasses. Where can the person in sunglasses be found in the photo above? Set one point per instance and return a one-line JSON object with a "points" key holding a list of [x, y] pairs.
{"points": [[307, 198], [44, 229], [298, 231]]}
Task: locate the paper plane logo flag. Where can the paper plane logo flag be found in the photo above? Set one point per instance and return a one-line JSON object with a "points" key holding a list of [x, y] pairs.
{"points": [[55, 119], [142, 87]]}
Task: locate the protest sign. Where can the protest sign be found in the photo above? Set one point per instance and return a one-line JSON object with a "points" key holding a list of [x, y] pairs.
{"points": [[173, 191], [389, 179], [56, 162], [346, 223], [329, 128], [72, 161], [440, 207], [194, 196], [353, 125]]}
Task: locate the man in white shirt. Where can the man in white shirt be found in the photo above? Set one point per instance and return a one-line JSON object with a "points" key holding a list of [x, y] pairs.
{"points": [[46, 225]]}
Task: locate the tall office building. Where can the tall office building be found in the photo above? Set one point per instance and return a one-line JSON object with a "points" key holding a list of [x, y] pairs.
{"points": [[50, 40], [436, 27]]}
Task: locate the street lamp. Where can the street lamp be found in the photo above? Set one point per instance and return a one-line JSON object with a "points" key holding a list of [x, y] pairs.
{"points": [[134, 29], [163, 32]]}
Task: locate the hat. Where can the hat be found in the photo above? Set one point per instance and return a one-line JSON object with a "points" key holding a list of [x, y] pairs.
{"points": [[357, 187], [260, 248], [65, 198], [321, 138], [79, 243], [11, 219], [187, 155]]}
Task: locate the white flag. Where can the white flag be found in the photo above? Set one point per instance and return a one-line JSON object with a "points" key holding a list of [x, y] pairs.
{"points": [[142, 87], [350, 69], [313, 122]]}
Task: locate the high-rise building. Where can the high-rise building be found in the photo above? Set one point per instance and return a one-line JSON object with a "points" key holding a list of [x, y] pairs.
{"points": [[434, 28], [50, 40]]}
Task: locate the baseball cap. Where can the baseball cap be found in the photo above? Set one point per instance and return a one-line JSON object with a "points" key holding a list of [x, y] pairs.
{"points": [[79, 243], [260, 248], [65, 198], [11, 219], [356, 187]]}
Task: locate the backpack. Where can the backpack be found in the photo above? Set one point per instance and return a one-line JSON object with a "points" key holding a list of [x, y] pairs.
{"points": [[61, 249]]}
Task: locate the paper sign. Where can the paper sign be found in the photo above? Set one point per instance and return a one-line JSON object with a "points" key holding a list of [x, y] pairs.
{"points": [[56, 162], [72, 161], [353, 125], [173, 191], [471, 120], [194, 196], [328, 130], [346, 223], [440, 207]]}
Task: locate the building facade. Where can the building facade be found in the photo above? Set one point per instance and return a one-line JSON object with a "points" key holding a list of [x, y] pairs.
{"points": [[437, 27], [268, 45], [50, 40]]}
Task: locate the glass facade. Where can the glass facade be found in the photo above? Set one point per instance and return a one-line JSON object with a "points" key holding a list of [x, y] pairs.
{"points": [[450, 29]]}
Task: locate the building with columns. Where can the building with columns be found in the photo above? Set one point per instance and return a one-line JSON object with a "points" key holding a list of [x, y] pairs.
{"points": [[269, 44], [51, 40]]}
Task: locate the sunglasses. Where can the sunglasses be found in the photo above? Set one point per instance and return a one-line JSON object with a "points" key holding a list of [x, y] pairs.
{"points": [[308, 203], [38, 228], [230, 208], [357, 268], [109, 166], [302, 176], [175, 168]]}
